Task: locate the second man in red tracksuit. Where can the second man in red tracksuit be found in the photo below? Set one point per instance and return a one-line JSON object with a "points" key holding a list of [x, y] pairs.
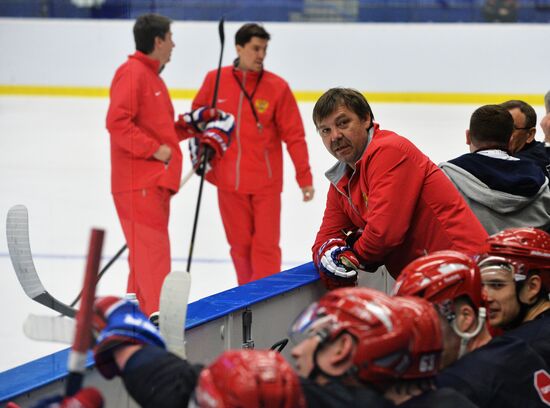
{"points": [[249, 177]]}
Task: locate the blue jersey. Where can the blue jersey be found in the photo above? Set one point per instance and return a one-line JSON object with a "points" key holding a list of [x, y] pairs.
{"points": [[536, 333], [506, 372]]}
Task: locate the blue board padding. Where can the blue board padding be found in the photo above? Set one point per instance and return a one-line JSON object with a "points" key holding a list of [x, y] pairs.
{"points": [[45, 370], [215, 306], [36, 374]]}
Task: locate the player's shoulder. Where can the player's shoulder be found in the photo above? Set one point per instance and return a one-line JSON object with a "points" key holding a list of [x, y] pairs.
{"points": [[226, 70], [274, 78], [392, 143]]}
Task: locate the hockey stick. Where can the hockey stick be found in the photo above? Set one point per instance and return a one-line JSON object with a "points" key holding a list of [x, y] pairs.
{"points": [[83, 334], [57, 329], [17, 231], [204, 159], [174, 298], [102, 272]]}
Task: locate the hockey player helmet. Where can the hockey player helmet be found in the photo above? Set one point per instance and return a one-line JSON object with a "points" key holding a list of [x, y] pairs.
{"points": [[522, 250], [249, 378], [396, 338], [441, 277]]}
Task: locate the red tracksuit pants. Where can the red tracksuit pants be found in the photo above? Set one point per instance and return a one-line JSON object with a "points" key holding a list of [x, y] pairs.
{"points": [[144, 216], [252, 227]]}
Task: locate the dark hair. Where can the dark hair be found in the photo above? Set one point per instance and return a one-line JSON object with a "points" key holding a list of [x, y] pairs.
{"points": [[336, 97], [249, 30], [147, 28], [491, 125], [526, 109]]}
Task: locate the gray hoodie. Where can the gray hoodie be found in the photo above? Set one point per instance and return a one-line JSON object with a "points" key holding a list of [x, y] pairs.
{"points": [[502, 193]]}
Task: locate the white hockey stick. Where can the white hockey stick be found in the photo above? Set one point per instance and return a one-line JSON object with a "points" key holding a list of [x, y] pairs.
{"points": [[174, 298], [17, 231], [173, 312], [57, 329]]}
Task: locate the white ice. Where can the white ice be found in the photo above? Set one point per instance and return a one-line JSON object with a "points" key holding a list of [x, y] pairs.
{"points": [[54, 159]]}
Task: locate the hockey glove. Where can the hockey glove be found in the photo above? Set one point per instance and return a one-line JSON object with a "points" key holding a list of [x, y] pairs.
{"points": [[337, 264], [85, 398], [121, 323], [194, 122], [213, 142]]}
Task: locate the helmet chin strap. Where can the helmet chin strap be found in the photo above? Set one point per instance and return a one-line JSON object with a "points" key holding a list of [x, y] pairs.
{"points": [[465, 337]]}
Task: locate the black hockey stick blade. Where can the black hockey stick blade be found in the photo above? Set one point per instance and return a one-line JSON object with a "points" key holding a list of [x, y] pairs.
{"points": [[221, 33], [17, 231]]}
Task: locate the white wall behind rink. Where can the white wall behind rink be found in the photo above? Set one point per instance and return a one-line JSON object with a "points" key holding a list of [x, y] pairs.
{"points": [[472, 58]]}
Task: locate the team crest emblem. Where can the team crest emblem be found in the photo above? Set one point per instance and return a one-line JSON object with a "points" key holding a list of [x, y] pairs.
{"points": [[261, 105], [542, 385]]}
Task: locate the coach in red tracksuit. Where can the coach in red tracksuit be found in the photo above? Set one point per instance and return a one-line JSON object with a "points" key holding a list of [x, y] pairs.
{"points": [[146, 159], [249, 177], [398, 202]]}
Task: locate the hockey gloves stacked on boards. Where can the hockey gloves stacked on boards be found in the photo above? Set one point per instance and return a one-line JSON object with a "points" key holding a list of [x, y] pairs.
{"points": [[338, 265]]}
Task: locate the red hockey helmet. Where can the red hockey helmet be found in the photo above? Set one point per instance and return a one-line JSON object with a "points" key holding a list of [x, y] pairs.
{"points": [[441, 277], [249, 378], [395, 338], [525, 249]]}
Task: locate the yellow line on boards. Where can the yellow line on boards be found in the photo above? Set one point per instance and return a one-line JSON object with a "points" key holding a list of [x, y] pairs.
{"points": [[301, 96]]}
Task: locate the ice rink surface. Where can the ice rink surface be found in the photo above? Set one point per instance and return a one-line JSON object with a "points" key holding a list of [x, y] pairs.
{"points": [[54, 159]]}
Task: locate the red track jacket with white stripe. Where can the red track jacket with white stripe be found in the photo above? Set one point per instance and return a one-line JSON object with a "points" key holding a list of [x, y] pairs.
{"points": [[253, 163]]}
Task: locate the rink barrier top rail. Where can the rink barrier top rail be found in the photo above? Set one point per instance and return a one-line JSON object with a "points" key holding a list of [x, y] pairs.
{"points": [[37, 373]]}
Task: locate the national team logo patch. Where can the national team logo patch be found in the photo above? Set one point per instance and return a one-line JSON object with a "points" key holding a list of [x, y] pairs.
{"points": [[542, 385], [261, 105]]}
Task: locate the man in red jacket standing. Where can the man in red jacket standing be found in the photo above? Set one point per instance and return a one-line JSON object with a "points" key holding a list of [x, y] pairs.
{"points": [[249, 177], [396, 202], [146, 159]]}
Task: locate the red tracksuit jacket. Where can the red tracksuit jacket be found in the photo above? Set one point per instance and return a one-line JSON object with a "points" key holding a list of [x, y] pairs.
{"points": [[253, 162], [139, 120], [405, 204]]}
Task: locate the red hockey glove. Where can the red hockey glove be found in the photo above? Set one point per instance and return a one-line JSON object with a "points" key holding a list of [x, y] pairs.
{"points": [[337, 264], [215, 139], [121, 323], [194, 122]]}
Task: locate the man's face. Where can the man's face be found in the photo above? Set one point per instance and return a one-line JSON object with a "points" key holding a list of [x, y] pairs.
{"points": [[499, 289], [344, 134], [252, 54], [521, 135], [303, 355], [164, 47]]}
